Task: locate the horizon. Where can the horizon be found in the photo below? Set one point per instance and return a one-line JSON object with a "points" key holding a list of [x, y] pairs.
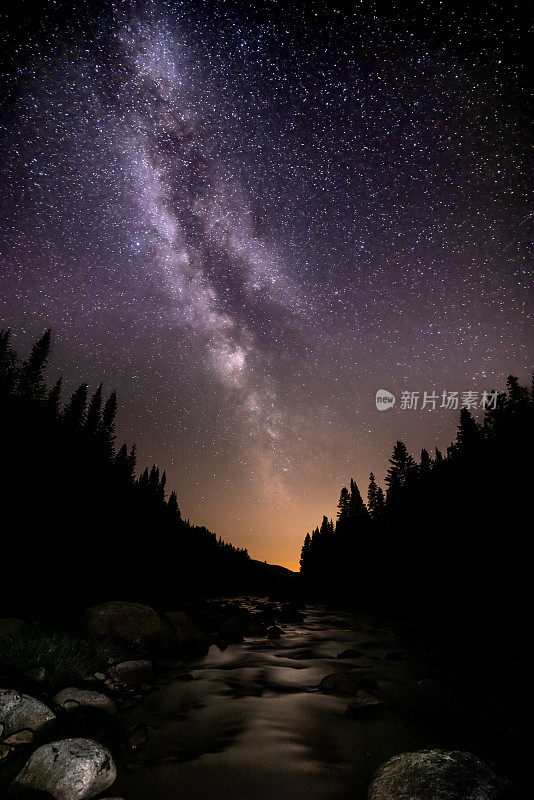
{"points": [[295, 532]]}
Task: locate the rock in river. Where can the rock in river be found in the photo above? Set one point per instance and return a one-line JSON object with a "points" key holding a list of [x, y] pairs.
{"points": [[71, 769], [438, 775], [22, 712], [350, 653], [21, 737], [232, 630], [345, 683], [72, 699], [131, 673], [132, 623], [190, 641], [363, 704]]}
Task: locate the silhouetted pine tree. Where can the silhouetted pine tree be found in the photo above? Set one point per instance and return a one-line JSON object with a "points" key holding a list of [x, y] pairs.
{"points": [[305, 554], [31, 384], [327, 528], [343, 511], [358, 513], [402, 469], [375, 498], [425, 464], [74, 412], [93, 412], [173, 508], [54, 399], [106, 428], [468, 436], [8, 366]]}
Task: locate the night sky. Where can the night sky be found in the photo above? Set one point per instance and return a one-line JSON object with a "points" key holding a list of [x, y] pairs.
{"points": [[248, 218]]}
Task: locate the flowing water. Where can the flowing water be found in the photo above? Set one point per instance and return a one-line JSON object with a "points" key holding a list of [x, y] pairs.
{"points": [[249, 722]]}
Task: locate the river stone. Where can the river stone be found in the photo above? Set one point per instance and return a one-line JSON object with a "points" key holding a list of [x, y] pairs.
{"points": [[345, 683], [363, 704], [72, 699], [350, 653], [438, 775], [20, 737], [190, 641], [71, 769], [131, 673], [264, 613], [133, 624], [20, 711], [138, 737], [232, 630], [256, 629]]}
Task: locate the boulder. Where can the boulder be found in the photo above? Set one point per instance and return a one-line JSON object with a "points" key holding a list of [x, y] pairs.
{"points": [[11, 628], [232, 630], [256, 629], [138, 737], [71, 769], [438, 775], [21, 712], [131, 673], [189, 641], [345, 683], [363, 704], [274, 632], [133, 624], [264, 613], [350, 653], [72, 699]]}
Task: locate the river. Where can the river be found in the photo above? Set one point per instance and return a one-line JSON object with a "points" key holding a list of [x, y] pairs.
{"points": [[249, 723]]}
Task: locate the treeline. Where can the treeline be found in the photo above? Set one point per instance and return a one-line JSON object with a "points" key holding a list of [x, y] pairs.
{"points": [[452, 535], [77, 523]]}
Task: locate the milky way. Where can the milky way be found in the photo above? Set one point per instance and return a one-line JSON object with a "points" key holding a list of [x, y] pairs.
{"points": [[248, 219]]}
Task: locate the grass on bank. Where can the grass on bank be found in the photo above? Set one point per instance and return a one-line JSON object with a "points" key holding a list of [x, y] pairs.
{"points": [[65, 657]]}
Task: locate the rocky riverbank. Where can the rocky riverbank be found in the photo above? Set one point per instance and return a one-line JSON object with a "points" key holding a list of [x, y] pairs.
{"points": [[284, 690], [136, 642]]}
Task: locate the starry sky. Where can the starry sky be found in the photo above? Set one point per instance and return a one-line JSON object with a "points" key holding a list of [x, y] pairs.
{"points": [[249, 217]]}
